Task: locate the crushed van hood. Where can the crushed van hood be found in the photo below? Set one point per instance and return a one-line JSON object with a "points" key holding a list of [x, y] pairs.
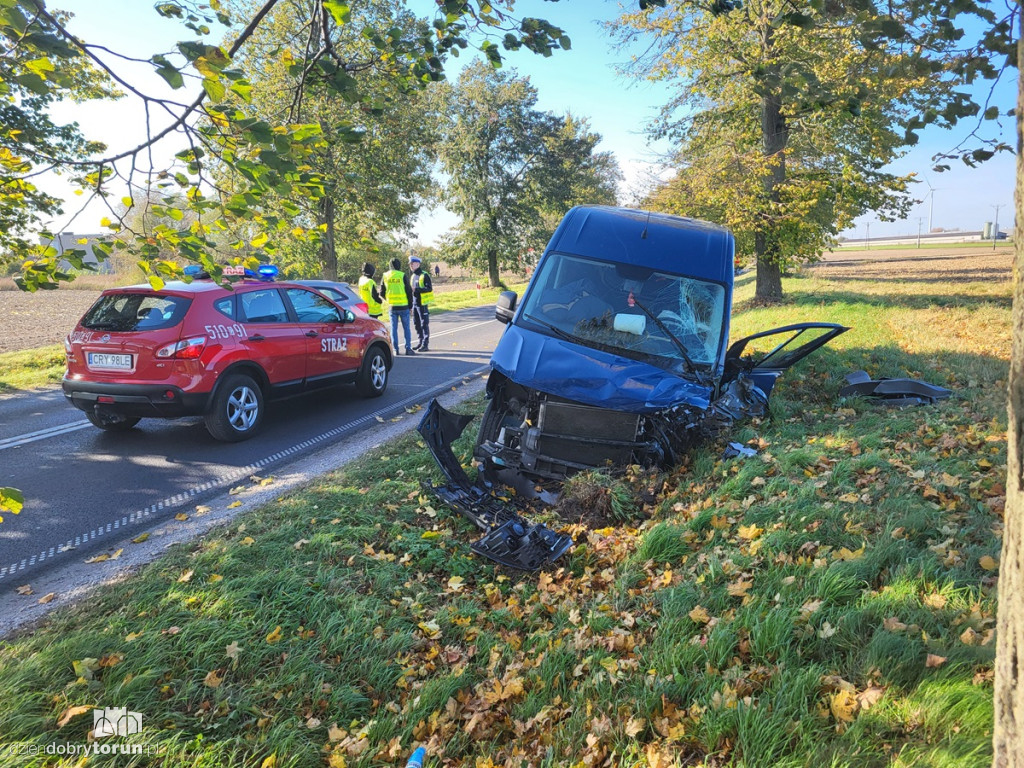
{"points": [[590, 376]]}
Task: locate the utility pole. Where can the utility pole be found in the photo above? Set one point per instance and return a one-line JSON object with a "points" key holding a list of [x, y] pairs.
{"points": [[867, 236], [920, 220], [995, 229]]}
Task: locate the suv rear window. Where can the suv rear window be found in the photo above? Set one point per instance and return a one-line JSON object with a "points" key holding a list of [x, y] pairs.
{"points": [[126, 312]]}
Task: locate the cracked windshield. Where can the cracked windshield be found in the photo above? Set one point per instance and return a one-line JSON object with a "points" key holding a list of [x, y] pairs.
{"points": [[637, 312]]}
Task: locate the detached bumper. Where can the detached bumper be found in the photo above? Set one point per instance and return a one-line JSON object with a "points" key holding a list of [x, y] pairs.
{"points": [[510, 539]]}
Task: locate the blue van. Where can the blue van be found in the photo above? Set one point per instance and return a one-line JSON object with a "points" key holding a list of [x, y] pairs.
{"points": [[617, 353]]}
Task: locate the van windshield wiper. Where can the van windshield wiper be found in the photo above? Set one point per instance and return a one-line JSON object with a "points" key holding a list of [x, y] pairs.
{"points": [[690, 366], [553, 328]]}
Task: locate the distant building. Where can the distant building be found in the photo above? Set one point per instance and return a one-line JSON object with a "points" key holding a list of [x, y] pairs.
{"points": [[936, 237], [69, 241]]}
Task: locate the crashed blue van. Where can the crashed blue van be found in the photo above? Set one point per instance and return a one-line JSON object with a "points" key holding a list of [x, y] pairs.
{"points": [[618, 353]]}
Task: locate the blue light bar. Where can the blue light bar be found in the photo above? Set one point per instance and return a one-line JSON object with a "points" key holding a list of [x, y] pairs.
{"points": [[268, 272], [193, 270]]}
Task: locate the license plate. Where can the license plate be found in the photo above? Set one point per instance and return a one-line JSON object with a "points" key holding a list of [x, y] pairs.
{"points": [[109, 361]]}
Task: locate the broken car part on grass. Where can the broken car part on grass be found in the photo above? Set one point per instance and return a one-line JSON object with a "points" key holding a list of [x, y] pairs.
{"points": [[895, 393], [616, 355]]}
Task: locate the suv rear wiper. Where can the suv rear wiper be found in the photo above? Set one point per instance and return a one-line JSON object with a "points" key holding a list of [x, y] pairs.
{"points": [[690, 366]]}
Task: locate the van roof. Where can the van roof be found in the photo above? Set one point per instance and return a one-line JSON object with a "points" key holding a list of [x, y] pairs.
{"points": [[659, 240]]}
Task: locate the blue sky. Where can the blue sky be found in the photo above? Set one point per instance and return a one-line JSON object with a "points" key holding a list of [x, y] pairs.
{"points": [[583, 81]]}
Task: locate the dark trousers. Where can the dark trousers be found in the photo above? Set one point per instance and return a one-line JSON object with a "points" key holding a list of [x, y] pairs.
{"points": [[421, 321]]}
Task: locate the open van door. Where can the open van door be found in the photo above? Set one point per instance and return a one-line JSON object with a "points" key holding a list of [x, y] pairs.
{"points": [[769, 353]]}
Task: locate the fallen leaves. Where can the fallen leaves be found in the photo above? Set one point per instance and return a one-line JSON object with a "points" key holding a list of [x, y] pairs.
{"points": [[47, 598], [72, 712], [275, 636]]}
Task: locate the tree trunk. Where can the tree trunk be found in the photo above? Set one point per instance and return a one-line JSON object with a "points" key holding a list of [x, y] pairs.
{"points": [[492, 268], [774, 139], [1008, 733], [328, 256]]}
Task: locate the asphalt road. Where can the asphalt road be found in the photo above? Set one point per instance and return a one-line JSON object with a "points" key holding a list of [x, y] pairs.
{"points": [[85, 488]]}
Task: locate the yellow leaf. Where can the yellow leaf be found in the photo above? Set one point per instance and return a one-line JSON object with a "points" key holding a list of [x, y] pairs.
{"points": [[212, 679], [185, 577], [844, 706], [749, 532], [847, 554], [47, 598], [275, 636], [234, 504], [699, 616], [140, 538], [215, 577], [455, 583], [25, 589], [430, 534], [334, 733], [739, 589], [849, 498], [202, 509], [248, 541], [988, 563], [98, 559], [72, 712], [269, 762], [236, 490], [181, 517], [132, 637], [337, 760], [935, 600]]}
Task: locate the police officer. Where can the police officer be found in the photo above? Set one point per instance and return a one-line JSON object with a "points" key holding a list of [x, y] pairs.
{"points": [[395, 290], [368, 292], [422, 294]]}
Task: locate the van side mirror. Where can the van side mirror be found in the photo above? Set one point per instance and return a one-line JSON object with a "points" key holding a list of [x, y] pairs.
{"points": [[505, 308]]}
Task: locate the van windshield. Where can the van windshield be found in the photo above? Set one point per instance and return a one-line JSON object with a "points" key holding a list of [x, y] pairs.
{"points": [[613, 307]]}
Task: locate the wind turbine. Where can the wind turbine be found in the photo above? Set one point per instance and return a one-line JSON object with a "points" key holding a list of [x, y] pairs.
{"points": [[931, 201]]}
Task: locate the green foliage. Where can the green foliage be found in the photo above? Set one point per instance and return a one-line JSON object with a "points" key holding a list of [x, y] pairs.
{"points": [[278, 162], [785, 115], [513, 170]]}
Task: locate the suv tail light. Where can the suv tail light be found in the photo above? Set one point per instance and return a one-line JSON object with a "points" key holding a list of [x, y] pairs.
{"points": [[363, 307], [186, 349]]}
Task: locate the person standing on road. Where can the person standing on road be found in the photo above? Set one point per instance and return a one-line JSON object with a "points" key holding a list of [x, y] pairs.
{"points": [[395, 290], [422, 294], [368, 292]]}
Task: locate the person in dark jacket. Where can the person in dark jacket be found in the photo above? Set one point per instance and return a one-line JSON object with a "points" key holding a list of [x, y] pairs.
{"points": [[368, 292], [422, 295], [395, 290]]}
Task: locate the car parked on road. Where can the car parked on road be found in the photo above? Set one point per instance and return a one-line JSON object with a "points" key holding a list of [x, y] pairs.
{"points": [[201, 349], [342, 294]]}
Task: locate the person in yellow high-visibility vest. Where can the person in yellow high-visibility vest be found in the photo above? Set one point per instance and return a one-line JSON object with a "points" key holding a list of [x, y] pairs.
{"points": [[422, 295], [395, 290], [368, 292]]}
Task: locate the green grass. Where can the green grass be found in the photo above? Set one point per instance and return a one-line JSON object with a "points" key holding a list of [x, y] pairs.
{"points": [[829, 602], [31, 368]]}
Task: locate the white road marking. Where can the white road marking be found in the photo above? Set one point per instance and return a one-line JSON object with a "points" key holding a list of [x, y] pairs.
{"points": [[42, 434]]}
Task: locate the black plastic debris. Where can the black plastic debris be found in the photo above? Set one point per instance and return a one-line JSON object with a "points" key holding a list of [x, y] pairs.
{"points": [[509, 538], [895, 393]]}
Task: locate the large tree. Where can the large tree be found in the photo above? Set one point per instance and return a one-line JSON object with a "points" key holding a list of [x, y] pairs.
{"points": [[511, 167], [375, 157], [784, 118]]}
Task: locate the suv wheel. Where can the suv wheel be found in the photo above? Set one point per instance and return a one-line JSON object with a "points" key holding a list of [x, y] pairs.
{"points": [[237, 409], [111, 422], [373, 375]]}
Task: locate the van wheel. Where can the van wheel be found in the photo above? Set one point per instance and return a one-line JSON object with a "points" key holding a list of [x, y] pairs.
{"points": [[237, 409], [373, 374], [111, 422]]}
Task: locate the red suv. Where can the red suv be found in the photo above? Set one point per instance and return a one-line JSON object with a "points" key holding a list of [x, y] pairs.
{"points": [[199, 349]]}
